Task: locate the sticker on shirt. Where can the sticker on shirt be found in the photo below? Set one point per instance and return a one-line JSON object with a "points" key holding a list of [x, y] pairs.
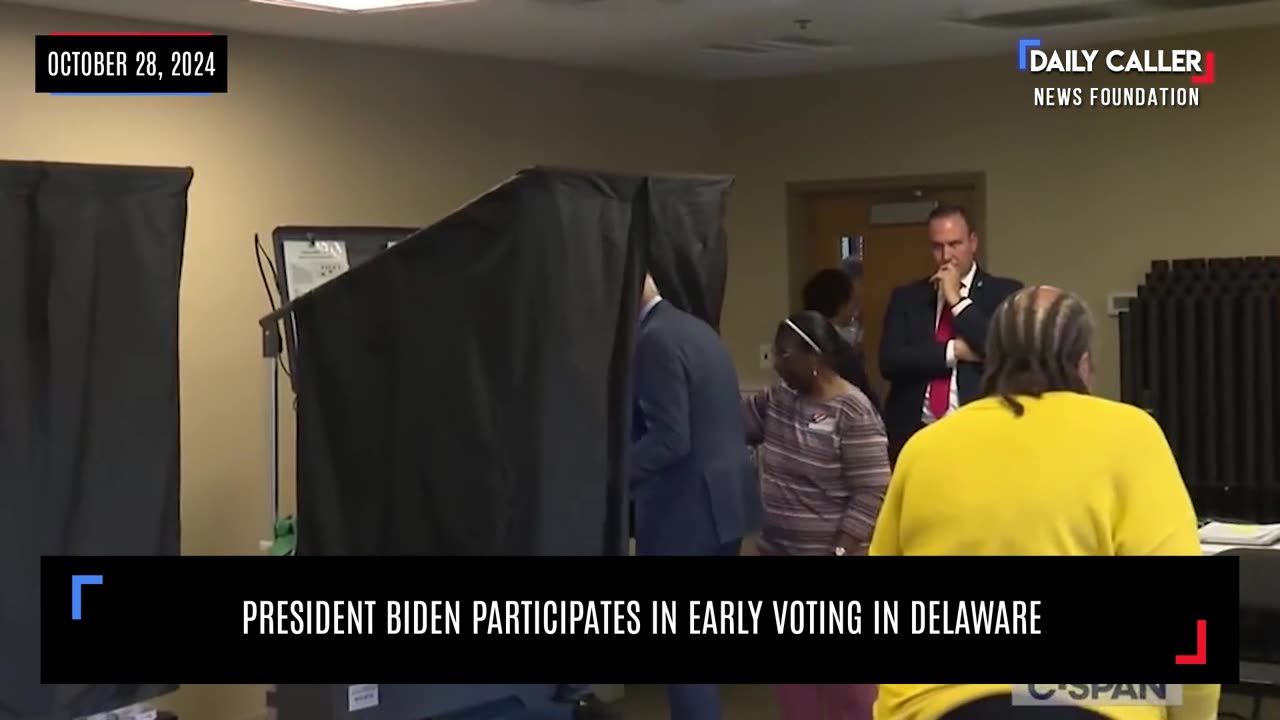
{"points": [[822, 422]]}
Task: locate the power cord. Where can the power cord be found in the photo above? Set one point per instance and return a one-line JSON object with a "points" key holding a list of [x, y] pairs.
{"points": [[261, 254]]}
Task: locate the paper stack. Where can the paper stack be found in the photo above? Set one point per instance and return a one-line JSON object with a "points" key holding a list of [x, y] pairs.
{"points": [[1240, 534]]}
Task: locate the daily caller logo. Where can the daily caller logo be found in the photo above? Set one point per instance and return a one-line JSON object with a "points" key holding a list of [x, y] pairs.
{"points": [[1186, 71]]}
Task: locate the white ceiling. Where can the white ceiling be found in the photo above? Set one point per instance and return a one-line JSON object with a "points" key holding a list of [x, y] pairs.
{"points": [[667, 36]]}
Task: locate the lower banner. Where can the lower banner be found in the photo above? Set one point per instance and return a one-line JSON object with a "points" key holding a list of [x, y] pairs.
{"points": [[639, 620]]}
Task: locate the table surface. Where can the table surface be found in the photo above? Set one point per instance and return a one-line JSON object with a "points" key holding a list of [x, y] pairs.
{"points": [[1215, 548]]}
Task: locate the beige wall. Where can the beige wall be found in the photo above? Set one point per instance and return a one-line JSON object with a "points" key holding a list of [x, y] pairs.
{"points": [[1079, 199], [1083, 199]]}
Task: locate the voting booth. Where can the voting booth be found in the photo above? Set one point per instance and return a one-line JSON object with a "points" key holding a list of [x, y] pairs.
{"points": [[464, 389], [307, 257], [90, 421]]}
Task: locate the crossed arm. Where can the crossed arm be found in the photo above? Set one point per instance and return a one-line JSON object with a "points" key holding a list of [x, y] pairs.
{"points": [[904, 358]]}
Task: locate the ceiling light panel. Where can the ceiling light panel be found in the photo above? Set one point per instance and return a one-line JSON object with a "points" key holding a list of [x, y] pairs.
{"points": [[358, 6]]}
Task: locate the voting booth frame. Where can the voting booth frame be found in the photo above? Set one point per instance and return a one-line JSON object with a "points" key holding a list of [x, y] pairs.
{"points": [[305, 258]]}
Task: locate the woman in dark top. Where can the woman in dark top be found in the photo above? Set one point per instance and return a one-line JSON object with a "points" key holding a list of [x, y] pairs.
{"points": [[831, 293]]}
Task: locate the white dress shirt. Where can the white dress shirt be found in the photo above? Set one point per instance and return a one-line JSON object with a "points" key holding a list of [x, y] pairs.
{"points": [[954, 402], [649, 306]]}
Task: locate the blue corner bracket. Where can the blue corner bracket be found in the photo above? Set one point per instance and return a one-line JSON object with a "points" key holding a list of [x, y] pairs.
{"points": [[78, 582], [1024, 45]]}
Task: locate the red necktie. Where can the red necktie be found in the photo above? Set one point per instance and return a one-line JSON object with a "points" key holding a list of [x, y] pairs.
{"points": [[940, 388]]}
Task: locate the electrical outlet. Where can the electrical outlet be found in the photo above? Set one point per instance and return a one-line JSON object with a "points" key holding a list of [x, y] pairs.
{"points": [[766, 357]]}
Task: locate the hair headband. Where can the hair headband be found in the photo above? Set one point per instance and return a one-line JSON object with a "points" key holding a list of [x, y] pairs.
{"points": [[803, 336]]}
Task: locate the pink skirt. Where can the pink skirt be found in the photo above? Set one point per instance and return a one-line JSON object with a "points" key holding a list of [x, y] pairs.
{"points": [[826, 702]]}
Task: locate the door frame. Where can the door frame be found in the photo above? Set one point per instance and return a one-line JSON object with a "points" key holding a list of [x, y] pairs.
{"points": [[799, 192]]}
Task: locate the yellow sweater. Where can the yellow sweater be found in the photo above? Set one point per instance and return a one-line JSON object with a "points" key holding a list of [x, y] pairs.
{"points": [[1075, 475]]}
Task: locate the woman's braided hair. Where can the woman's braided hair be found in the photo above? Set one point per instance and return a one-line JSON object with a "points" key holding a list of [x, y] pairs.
{"points": [[1035, 343]]}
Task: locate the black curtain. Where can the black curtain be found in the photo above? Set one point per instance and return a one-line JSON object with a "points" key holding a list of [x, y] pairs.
{"points": [[687, 243], [468, 391], [90, 258]]}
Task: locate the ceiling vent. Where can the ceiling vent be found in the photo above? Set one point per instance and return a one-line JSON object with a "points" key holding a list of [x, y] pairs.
{"points": [[736, 49], [799, 42], [1044, 17], [777, 45]]}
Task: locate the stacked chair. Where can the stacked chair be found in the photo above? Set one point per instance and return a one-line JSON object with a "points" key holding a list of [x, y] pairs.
{"points": [[1200, 350]]}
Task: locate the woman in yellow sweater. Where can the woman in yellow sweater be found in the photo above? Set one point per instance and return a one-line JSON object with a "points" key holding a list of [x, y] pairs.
{"points": [[1036, 467]]}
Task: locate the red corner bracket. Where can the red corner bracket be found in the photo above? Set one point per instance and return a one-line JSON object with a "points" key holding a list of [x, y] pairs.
{"points": [[1199, 657], [1208, 76]]}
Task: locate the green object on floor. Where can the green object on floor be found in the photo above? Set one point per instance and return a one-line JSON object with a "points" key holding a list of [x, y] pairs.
{"points": [[286, 539]]}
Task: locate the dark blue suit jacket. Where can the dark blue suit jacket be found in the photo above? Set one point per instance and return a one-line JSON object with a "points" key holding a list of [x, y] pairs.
{"points": [[692, 480], [910, 357]]}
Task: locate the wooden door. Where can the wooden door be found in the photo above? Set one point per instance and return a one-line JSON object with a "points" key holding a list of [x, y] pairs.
{"points": [[892, 255]]}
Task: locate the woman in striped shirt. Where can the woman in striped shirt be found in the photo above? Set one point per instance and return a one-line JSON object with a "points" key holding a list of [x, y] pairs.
{"points": [[824, 467]]}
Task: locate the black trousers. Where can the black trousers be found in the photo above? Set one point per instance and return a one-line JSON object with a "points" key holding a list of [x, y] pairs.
{"points": [[1001, 707]]}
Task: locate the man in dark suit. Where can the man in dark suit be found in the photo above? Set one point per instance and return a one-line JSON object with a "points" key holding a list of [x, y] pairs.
{"points": [[694, 488], [691, 477], [935, 330]]}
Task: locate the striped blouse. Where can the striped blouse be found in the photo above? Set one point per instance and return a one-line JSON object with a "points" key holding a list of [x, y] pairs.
{"points": [[824, 467]]}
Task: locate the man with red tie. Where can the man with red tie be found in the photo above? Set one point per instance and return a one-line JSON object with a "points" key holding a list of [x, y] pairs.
{"points": [[935, 330]]}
